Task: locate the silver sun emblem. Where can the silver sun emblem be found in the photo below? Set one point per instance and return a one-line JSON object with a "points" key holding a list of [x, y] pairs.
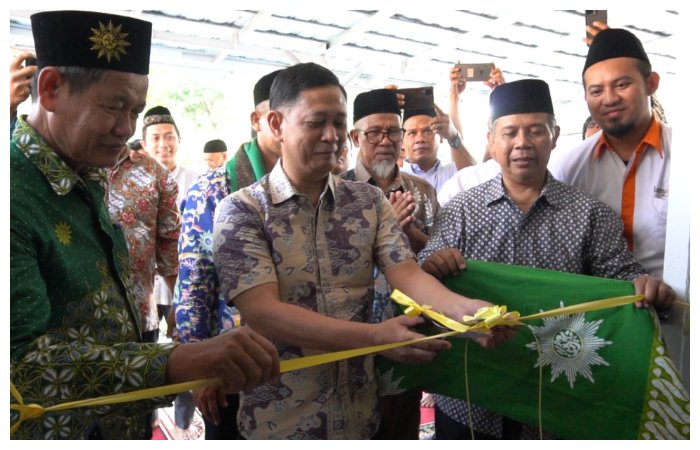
{"points": [[569, 345]]}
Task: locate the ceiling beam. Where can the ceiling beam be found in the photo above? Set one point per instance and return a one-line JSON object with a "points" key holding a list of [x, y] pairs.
{"points": [[362, 25], [243, 34], [370, 22]]}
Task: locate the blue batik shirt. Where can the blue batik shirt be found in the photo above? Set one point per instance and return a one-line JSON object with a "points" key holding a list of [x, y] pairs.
{"points": [[200, 311]]}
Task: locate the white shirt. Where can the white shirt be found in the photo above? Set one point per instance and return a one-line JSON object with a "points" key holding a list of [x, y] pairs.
{"points": [[437, 175], [467, 178], [184, 178], [604, 179]]}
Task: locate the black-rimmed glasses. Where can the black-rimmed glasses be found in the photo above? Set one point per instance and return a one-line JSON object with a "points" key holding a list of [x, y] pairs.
{"points": [[375, 136]]}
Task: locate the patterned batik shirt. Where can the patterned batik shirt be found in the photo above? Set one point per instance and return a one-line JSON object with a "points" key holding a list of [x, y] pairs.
{"points": [[74, 327], [565, 230], [322, 259], [142, 198], [424, 214], [200, 311], [427, 206]]}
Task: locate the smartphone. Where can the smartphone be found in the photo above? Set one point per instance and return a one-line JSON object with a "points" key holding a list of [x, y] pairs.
{"points": [[30, 61], [476, 72], [417, 98], [595, 15]]}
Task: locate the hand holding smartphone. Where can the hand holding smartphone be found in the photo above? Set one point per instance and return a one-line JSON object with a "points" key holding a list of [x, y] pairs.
{"points": [[417, 98], [475, 72], [594, 15]]}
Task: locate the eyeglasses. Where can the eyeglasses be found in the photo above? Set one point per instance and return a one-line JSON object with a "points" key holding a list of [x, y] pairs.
{"points": [[375, 136]]}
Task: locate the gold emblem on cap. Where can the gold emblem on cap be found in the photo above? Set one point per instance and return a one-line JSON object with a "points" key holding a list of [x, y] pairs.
{"points": [[109, 41]]}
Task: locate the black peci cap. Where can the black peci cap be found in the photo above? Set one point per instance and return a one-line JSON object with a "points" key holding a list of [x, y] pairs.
{"points": [[375, 102], [520, 97], [215, 146], [157, 115], [92, 40], [614, 43], [408, 113], [261, 91]]}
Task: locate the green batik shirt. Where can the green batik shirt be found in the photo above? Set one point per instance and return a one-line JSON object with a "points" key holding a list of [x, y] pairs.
{"points": [[74, 332]]}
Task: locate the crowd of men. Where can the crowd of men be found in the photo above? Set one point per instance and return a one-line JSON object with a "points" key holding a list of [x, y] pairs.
{"points": [[270, 255]]}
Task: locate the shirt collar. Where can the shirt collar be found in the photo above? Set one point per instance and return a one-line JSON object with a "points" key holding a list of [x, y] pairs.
{"points": [[61, 178], [652, 138], [124, 156], [281, 188], [551, 191], [416, 168]]}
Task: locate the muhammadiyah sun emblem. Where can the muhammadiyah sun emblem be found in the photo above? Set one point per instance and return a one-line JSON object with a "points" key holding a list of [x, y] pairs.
{"points": [[569, 345], [63, 233], [109, 41]]}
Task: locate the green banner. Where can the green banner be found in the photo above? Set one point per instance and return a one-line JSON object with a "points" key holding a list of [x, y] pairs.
{"points": [[598, 375]]}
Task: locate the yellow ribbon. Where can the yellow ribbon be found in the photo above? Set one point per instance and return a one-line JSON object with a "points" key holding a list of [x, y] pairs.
{"points": [[485, 318], [34, 411], [587, 307], [325, 358]]}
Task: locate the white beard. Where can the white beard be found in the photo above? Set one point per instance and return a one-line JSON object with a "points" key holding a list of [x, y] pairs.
{"points": [[383, 169]]}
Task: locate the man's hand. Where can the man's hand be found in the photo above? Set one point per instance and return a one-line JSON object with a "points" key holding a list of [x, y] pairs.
{"points": [[655, 292], [403, 204], [457, 82], [445, 262], [443, 126], [241, 359], [496, 336], [593, 30], [486, 338], [495, 78], [397, 330], [20, 81], [171, 331], [399, 97], [208, 400]]}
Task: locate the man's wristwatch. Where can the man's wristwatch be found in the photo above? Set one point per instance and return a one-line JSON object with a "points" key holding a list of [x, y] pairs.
{"points": [[456, 142]]}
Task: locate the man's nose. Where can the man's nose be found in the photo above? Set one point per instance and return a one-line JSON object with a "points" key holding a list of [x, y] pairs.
{"points": [[610, 96], [125, 125], [522, 139]]}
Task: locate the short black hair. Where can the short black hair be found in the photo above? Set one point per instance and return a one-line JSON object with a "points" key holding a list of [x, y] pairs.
{"points": [[81, 78], [644, 68], [293, 80]]}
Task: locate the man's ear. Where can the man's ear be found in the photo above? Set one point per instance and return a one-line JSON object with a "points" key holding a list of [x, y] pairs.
{"points": [[255, 121], [652, 83], [274, 120], [49, 85], [355, 137], [557, 131]]}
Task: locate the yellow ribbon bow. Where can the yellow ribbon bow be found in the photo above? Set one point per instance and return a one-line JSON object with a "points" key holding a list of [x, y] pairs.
{"points": [[486, 317]]}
